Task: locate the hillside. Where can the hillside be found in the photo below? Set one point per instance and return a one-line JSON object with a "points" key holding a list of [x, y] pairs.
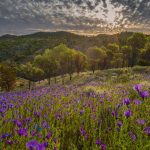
{"points": [[105, 110], [22, 48]]}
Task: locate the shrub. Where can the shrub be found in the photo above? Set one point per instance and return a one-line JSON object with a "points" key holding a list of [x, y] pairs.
{"points": [[7, 77]]}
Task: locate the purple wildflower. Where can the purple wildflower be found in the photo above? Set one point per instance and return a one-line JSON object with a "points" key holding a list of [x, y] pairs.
{"points": [[140, 121], [81, 112], [86, 137], [18, 123], [137, 87], [127, 101], [144, 94], [98, 142], [37, 114], [27, 120], [22, 132], [132, 136], [55, 148], [115, 114], [137, 102], [9, 142], [35, 145], [55, 140], [11, 105], [119, 105], [45, 124], [41, 147], [103, 147], [45, 144], [128, 113], [147, 130], [119, 123], [6, 135], [39, 135], [32, 145], [83, 132], [33, 133], [49, 135]]}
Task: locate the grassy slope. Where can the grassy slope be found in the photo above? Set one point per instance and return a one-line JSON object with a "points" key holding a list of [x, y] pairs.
{"points": [[80, 113], [120, 75]]}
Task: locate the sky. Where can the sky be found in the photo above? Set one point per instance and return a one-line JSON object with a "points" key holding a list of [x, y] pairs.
{"points": [[87, 17]]}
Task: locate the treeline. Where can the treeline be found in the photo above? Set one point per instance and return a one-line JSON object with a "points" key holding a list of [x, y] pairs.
{"points": [[54, 62], [63, 60]]}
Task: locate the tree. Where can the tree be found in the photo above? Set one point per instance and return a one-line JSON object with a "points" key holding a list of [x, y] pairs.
{"points": [[137, 42], [80, 61], [114, 56], [96, 56], [7, 77], [102, 58], [145, 55], [126, 61], [30, 73], [66, 58], [48, 63], [116, 62], [59, 54], [69, 58]]}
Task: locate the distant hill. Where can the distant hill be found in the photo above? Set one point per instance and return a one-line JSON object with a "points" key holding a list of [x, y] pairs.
{"points": [[22, 48], [7, 36]]}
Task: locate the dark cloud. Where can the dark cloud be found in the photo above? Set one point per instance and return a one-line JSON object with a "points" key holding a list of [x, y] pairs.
{"points": [[135, 9], [20, 16]]}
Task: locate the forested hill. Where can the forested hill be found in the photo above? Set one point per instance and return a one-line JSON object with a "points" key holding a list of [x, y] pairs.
{"points": [[22, 48]]}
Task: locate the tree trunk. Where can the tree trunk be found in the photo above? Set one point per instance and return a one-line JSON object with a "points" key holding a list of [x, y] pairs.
{"points": [[93, 71], [123, 62], [70, 77], [104, 64], [29, 85], [100, 66], [134, 56], [63, 82], [7, 88], [34, 85], [55, 80], [49, 81]]}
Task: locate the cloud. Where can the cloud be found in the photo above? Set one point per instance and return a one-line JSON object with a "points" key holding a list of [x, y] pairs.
{"points": [[77, 15]]}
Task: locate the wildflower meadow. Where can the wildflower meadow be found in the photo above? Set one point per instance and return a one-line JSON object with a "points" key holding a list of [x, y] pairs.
{"points": [[89, 116]]}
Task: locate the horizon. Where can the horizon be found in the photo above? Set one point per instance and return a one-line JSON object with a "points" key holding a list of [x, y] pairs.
{"points": [[80, 34], [83, 17]]}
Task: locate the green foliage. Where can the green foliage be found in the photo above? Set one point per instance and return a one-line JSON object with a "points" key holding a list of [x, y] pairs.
{"points": [[126, 52], [137, 42], [60, 59], [19, 48], [80, 62], [124, 78], [141, 69], [145, 55], [23, 48], [31, 73], [48, 63], [7, 77], [114, 56], [96, 57]]}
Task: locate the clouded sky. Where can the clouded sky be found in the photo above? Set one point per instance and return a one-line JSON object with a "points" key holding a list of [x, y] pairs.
{"points": [[79, 16]]}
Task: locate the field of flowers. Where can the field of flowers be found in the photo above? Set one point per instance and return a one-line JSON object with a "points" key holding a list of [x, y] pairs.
{"points": [[89, 116]]}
